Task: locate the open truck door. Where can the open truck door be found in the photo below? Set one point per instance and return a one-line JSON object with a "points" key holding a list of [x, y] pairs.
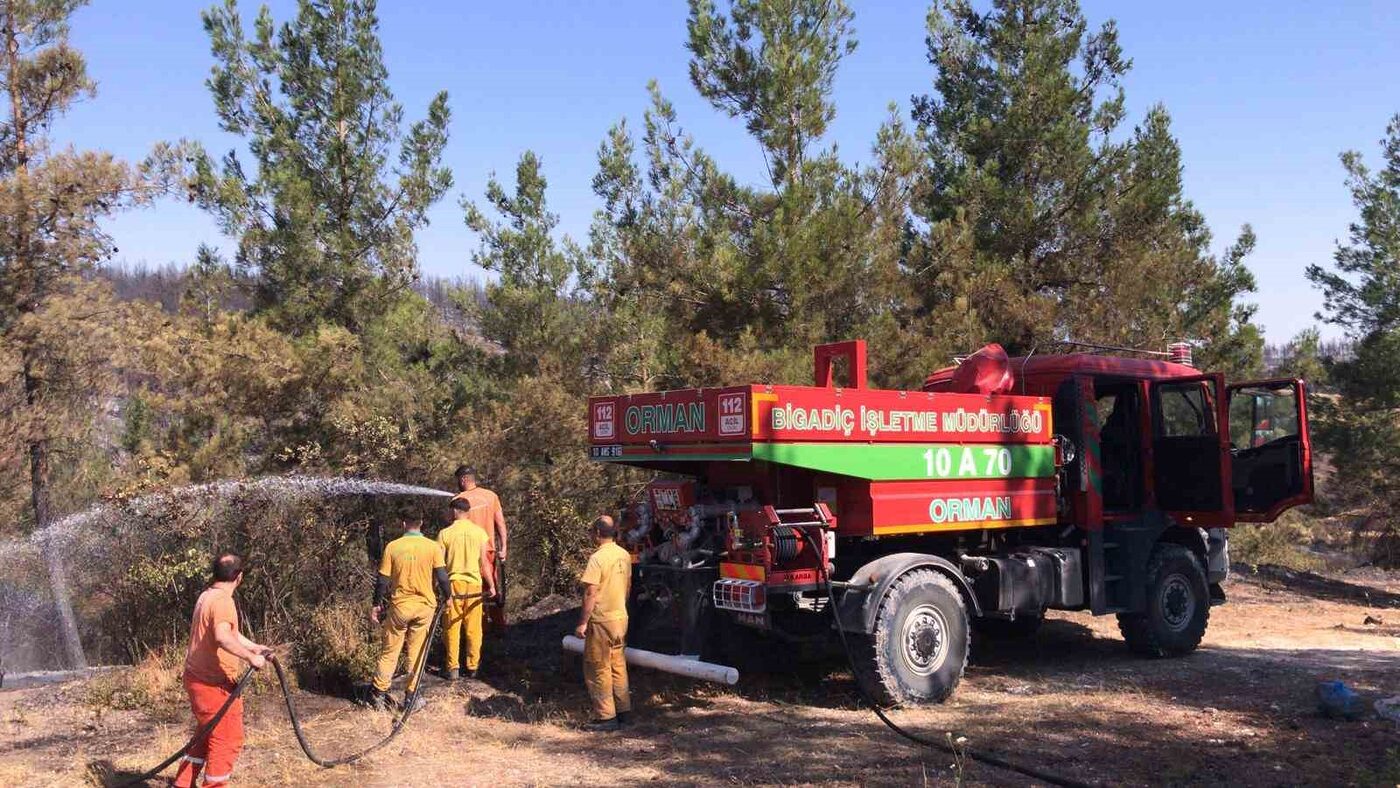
{"points": [[1189, 458], [1270, 453]]}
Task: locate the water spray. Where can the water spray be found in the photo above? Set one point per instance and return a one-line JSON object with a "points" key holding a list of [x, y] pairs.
{"points": [[49, 542]]}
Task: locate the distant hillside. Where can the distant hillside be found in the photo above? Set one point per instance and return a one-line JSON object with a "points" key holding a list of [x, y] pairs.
{"points": [[167, 285], [1336, 349]]}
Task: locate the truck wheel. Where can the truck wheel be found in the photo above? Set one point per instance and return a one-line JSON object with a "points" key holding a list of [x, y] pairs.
{"points": [[1178, 605], [919, 647], [1019, 628]]}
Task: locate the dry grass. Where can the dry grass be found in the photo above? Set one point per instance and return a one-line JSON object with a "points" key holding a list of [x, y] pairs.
{"points": [[150, 685]]}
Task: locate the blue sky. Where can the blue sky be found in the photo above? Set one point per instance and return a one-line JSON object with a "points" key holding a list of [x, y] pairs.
{"points": [[1264, 96]]}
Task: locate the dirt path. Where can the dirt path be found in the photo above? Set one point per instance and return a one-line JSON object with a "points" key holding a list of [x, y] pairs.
{"points": [[1240, 712]]}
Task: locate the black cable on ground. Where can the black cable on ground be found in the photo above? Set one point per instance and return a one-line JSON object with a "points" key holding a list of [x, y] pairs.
{"points": [[410, 703], [990, 760], [198, 734]]}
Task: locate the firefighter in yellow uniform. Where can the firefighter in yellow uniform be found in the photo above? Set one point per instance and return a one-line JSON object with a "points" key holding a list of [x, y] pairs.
{"points": [[603, 627], [411, 568], [464, 548]]}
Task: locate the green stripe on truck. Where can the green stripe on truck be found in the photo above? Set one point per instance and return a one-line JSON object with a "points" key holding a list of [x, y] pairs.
{"points": [[896, 461]]}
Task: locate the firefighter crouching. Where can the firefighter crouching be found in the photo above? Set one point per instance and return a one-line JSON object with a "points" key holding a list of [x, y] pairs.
{"points": [[212, 667], [411, 567], [464, 545], [603, 627]]}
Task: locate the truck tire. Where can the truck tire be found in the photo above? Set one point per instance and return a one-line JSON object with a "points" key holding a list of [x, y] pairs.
{"points": [[919, 648], [1020, 628], [1178, 605]]}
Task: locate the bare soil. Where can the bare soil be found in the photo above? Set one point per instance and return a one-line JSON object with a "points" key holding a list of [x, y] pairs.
{"points": [[1241, 711]]}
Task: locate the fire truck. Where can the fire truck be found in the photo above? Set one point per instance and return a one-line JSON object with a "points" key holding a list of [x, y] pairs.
{"points": [[1004, 488]]}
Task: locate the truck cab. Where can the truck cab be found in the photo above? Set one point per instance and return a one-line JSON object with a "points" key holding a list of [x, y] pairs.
{"points": [[1001, 489], [1163, 443]]}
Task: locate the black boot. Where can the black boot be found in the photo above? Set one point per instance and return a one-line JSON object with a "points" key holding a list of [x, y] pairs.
{"points": [[602, 726], [379, 701], [624, 719]]}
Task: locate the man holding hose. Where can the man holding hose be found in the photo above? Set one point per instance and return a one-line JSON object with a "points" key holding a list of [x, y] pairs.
{"points": [[212, 667], [411, 568], [469, 569]]}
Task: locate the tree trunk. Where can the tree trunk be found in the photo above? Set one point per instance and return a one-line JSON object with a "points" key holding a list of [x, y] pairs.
{"points": [[52, 547], [38, 445]]}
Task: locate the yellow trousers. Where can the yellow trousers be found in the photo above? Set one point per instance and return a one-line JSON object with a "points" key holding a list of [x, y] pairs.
{"points": [[605, 668], [460, 615], [401, 623]]}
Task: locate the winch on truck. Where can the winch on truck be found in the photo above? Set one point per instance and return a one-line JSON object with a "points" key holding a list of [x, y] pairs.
{"points": [[1004, 488]]}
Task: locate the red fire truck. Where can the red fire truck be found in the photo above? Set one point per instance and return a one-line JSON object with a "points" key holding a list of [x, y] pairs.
{"points": [[1004, 488]]}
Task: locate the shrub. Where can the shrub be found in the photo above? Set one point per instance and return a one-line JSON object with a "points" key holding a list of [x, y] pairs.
{"points": [[150, 685], [337, 650], [1280, 544]]}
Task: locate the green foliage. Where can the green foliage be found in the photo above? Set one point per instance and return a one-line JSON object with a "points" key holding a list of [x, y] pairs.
{"points": [[338, 648], [1362, 294], [772, 63], [1046, 221], [718, 280], [327, 218], [1275, 544], [1303, 359], [532, 312], [51, 202]]}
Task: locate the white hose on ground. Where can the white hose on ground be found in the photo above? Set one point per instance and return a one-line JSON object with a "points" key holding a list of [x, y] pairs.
{"points": [[668, 663]]}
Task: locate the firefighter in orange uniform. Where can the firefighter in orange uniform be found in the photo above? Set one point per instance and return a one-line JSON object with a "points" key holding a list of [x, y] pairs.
{"points": [[464, 549], [603, 627], [212, 666], [411, 569], [486, 512]]}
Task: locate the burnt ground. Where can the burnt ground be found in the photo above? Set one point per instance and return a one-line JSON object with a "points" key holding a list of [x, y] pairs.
{"points": [[1241, 711]]}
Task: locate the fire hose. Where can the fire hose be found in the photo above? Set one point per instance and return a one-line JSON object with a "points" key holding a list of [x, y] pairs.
{"points": [[990, 760], [409, 706]]}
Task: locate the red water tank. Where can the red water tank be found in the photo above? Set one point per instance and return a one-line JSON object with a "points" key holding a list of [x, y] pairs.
{"points": [[988, 371]]}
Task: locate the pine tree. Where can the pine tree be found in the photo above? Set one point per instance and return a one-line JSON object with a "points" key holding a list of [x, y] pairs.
{"points": [[1362, 295], [1045, 221], [51, 201], [531, 312], [327, 217], [1303, 358], [740, 280]]}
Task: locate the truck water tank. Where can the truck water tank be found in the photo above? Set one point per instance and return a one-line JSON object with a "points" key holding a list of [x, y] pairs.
{"points": [[988, 371]]}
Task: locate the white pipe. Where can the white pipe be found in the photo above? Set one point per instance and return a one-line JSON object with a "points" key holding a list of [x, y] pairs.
{"points": [[668, 663]]}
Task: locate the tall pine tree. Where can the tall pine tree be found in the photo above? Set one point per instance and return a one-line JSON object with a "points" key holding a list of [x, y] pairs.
{"points": [[1045, 221], [1362, 295], [51, 201], [327, 217], [741, 278]]}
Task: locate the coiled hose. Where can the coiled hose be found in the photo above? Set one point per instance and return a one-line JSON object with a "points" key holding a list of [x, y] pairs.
{"points": [[410, 703], [990, 760]]}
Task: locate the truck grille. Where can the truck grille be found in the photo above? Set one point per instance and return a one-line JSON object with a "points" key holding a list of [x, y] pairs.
{"points": [[743, 596]]}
